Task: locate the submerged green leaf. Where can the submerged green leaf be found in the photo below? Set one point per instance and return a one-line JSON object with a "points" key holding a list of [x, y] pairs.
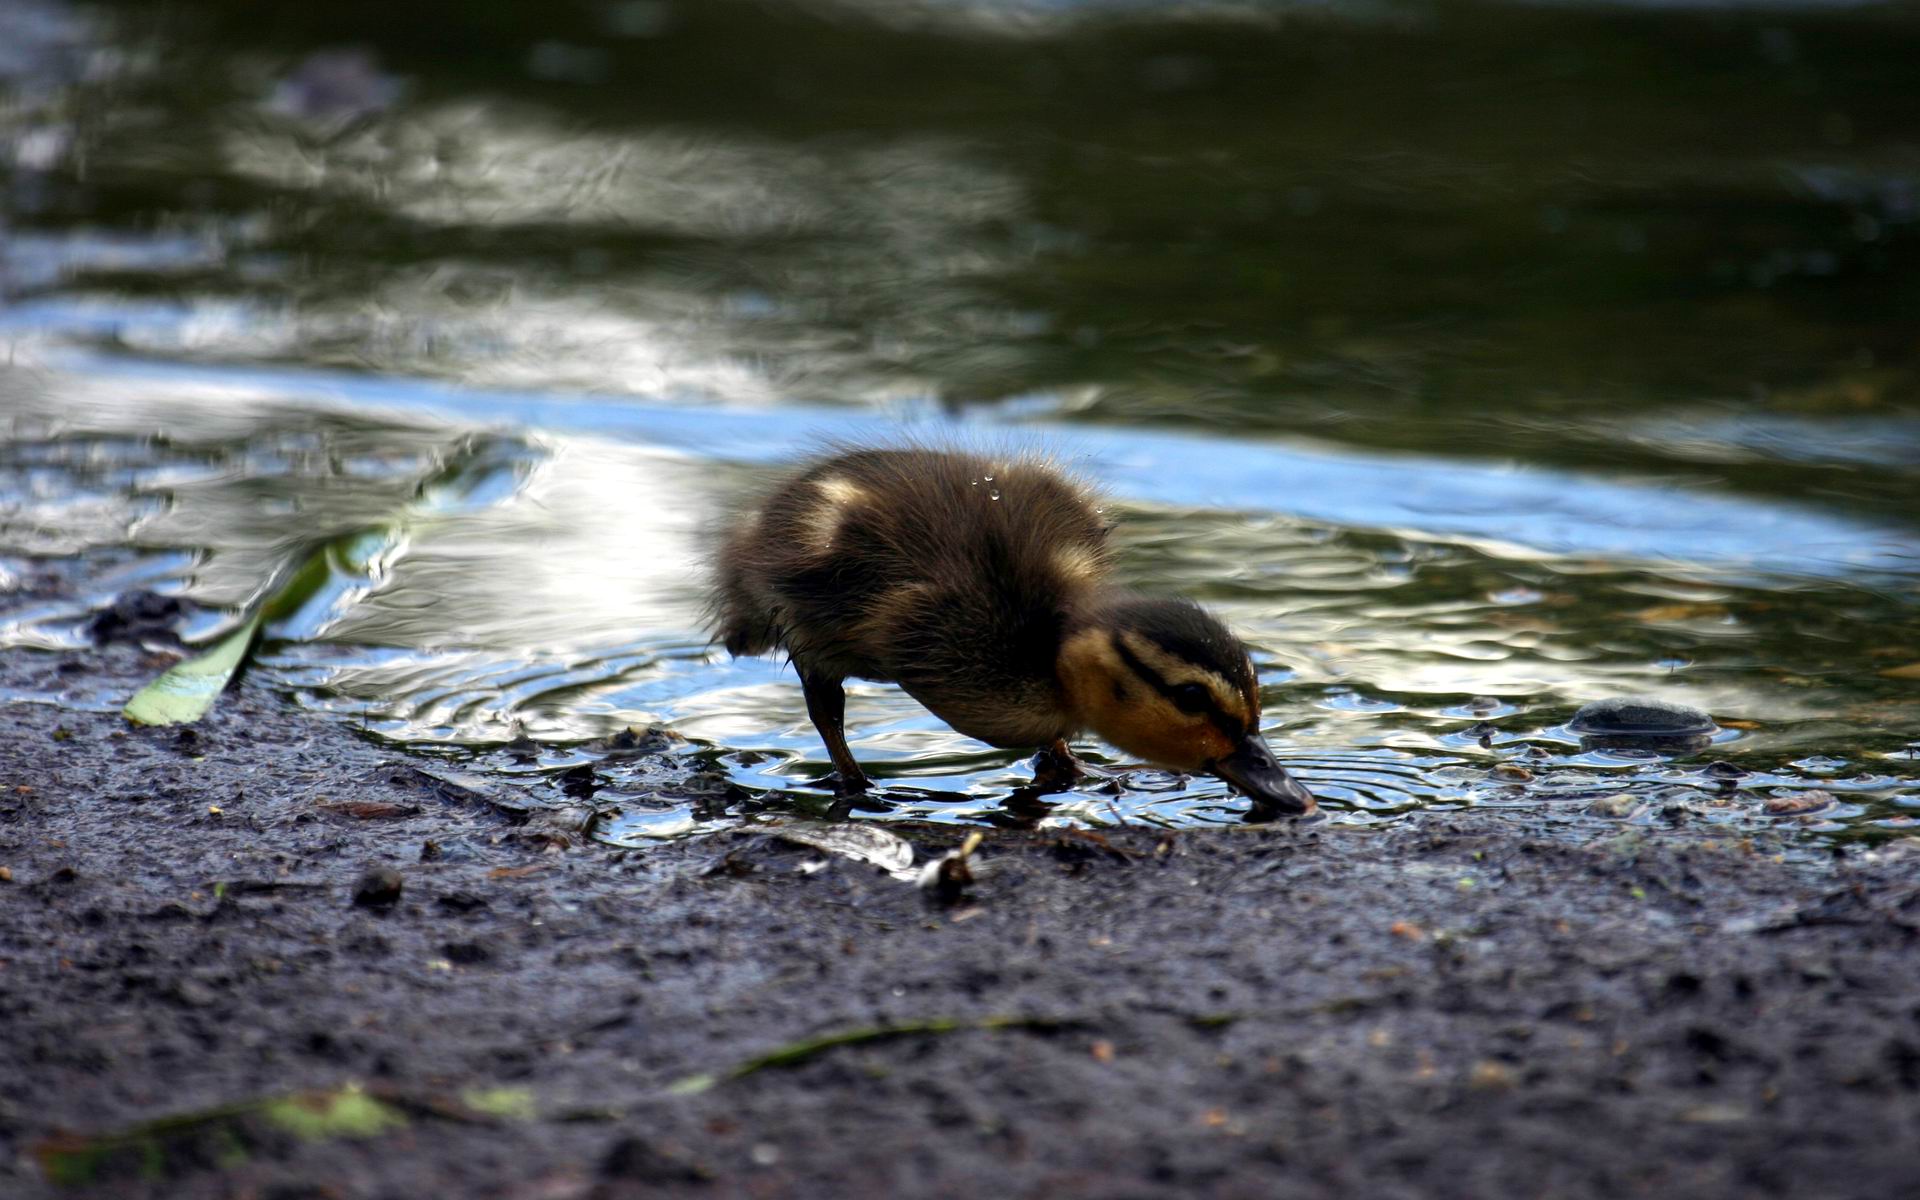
{"points": [[470, 478], [186, 690]]}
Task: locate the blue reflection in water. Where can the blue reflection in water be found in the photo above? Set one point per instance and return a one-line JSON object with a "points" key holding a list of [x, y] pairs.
{"points": [[1549, 511]]}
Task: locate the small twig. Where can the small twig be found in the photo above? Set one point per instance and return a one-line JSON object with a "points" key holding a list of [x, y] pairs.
{"points": [[795, 1053]]}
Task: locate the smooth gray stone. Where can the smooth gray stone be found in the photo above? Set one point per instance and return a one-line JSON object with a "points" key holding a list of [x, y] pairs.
{"points": [[1636, 721]]}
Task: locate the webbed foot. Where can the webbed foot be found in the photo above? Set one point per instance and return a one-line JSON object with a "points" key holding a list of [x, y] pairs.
{"points": [[1055, 769], [844, 783]]}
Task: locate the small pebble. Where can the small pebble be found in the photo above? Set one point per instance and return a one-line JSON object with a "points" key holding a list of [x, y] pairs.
{"points": [[135, 617], [379, 887], [1490, 1076], [1795, 803], [1511, 773], [194, 994], [1619, 805], [1726, 770]]}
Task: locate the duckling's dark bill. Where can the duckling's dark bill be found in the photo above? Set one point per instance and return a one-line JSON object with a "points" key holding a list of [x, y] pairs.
{"points": [[1253, 769]]}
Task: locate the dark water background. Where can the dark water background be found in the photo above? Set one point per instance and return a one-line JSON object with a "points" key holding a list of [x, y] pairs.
{"points": [[1476, 360]]}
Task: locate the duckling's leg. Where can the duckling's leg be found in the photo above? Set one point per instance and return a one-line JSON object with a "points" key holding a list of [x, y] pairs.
{"points": [[1055, 768], [827, 707]]}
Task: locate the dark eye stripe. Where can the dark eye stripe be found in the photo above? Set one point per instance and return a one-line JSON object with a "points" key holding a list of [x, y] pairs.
{"points": [[1191, 697], [1230, 726]]}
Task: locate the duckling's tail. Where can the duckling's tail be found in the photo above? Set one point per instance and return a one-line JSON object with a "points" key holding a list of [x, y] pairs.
{"points": [[737, 611], [744, 642]]}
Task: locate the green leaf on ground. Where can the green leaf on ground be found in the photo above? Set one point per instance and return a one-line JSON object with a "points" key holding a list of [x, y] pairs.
{"points": [[319, 1116], [509, 1103], [225, 1136]]}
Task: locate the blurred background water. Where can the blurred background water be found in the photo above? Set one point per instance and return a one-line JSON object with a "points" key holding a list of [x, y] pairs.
{"points": [[1475, 360]]}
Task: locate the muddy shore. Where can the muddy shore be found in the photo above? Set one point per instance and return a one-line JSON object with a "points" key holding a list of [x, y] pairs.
{"points": [[1465, 1004]]}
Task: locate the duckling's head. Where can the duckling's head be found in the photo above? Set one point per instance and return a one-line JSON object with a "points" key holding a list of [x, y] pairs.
{"points": [[1164, 680]]}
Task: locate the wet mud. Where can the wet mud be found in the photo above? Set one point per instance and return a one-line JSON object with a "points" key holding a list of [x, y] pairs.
{"points": [[1461, 1004]]}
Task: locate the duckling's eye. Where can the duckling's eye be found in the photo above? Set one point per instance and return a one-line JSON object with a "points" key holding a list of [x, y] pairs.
{"points": [[1191, 697]]}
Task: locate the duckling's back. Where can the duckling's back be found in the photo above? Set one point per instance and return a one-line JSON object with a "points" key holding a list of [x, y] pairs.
{"points": [[951, 574]]}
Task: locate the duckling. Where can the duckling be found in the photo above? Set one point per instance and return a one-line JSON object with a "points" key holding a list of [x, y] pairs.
{"points": [[981, 587]]}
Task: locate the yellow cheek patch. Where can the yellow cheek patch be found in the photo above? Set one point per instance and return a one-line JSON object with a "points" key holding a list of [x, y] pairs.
{"points": [[1159, 733], [1126, 710], [1215, 744]]}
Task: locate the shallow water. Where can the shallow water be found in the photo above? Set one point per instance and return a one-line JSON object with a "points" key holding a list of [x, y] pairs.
{"points": [[1474, 361]]}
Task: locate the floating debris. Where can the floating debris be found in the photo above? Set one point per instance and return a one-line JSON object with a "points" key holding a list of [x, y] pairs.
{"points": [[1794, 804]]}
